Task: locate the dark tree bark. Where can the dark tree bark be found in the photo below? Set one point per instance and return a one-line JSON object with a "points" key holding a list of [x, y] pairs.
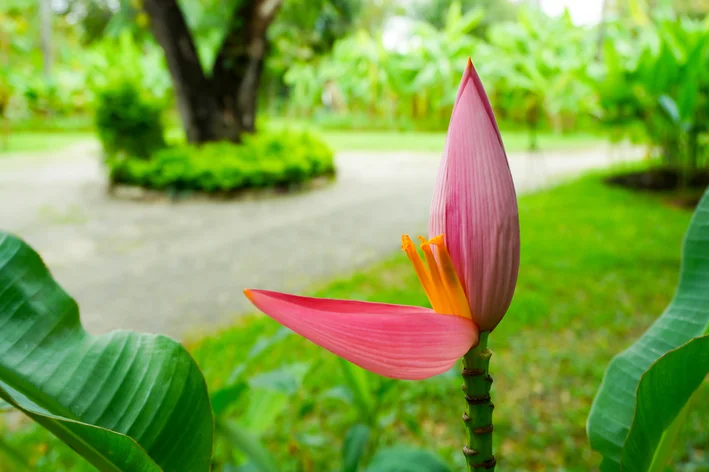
{"points": [[241, 60], [221, 106]]}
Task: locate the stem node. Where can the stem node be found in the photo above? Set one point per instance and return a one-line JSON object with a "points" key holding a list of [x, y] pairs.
{"points": [[478, 415]]}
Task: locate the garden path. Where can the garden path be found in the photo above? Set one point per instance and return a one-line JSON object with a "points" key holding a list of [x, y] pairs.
{"points": [[179, 268]]}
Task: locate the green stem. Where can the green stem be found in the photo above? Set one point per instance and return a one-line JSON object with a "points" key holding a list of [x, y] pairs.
{"points": [[478, 414]]}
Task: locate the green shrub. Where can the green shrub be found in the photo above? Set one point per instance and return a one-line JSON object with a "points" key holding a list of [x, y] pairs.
{"points": [[262, 160], [129, 123]]}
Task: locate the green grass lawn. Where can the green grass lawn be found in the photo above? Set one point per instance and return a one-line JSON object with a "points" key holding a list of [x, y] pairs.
{"points": [[43, 141], [598, 266], [26, 141]]}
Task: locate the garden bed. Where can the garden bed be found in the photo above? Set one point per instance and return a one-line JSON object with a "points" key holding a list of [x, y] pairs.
{"points": [[122, 191], [262, 163], [668, 181]]}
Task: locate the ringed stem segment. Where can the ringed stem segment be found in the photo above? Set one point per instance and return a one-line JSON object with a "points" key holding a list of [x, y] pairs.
{"points": [[478, 414]]}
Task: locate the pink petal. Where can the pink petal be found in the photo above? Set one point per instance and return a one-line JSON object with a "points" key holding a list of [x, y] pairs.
{"points": [[470, 76], [475, 205], [396, 341]]}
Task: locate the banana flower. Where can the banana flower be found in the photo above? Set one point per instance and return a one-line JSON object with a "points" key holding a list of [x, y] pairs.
{"points": [[468, 270]]}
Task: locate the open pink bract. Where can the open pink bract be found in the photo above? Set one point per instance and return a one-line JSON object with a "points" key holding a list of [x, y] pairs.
{"points": [[472, 259], [397, 341], [475, 205]]}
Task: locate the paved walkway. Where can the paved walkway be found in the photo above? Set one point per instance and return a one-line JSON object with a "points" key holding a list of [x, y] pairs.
{"points": [[179, 268]]}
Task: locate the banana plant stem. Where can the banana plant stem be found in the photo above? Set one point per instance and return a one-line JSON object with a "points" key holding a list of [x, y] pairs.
{"points": [[478, 414]]}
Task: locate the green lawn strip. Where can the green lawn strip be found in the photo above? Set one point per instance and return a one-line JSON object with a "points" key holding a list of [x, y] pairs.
{"points": [[25, 141], [373, 139], [598, 266], [515, 141], [423, 141]]}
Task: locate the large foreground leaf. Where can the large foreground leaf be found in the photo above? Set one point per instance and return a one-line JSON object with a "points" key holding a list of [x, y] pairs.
{"points": [[664, 389], [687, 317], [124, 401]]}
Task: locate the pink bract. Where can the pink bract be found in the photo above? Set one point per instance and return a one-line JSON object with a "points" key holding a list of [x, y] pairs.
{"points": [[475, 205], [396, 341]]}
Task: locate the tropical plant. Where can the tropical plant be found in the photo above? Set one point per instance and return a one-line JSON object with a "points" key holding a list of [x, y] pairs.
{"points": [[125, 59], [646, 393], [10, 26], [537, 68], [261, 399], [266, 396], [658, 85], [436, 57], [124, 401], [365, 76]]}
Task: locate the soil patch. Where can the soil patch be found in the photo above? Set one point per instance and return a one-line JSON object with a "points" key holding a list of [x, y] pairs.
{"points": [[667, 181], [122, 191]]}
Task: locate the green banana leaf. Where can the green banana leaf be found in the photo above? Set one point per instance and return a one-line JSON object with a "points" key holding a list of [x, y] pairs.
{"points": [[618, 402], [662, 393], [124, 401]]}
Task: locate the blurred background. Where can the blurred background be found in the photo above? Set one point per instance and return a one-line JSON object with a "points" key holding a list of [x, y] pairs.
{"points": [[162, 155]]}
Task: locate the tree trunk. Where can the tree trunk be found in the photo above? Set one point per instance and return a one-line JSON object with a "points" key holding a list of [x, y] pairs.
{"points": [[602, 30], [45, 18], [223, 106], [532, 122], [241, 60], [202, 117]]}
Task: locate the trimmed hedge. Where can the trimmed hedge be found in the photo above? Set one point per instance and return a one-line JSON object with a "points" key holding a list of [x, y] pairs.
{"points": [[263, 160], [128, 122]]}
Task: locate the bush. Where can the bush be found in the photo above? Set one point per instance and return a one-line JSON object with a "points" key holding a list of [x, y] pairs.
{"points": [[262, 160], [129, 123]]}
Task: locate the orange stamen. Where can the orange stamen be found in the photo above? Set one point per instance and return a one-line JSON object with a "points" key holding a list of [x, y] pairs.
{"points": [[439, 280], [454, 289], [408, 247], [440, 301]]}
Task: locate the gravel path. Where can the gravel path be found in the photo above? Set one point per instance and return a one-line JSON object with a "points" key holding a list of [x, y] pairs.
{"points": [[179, 268]]}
